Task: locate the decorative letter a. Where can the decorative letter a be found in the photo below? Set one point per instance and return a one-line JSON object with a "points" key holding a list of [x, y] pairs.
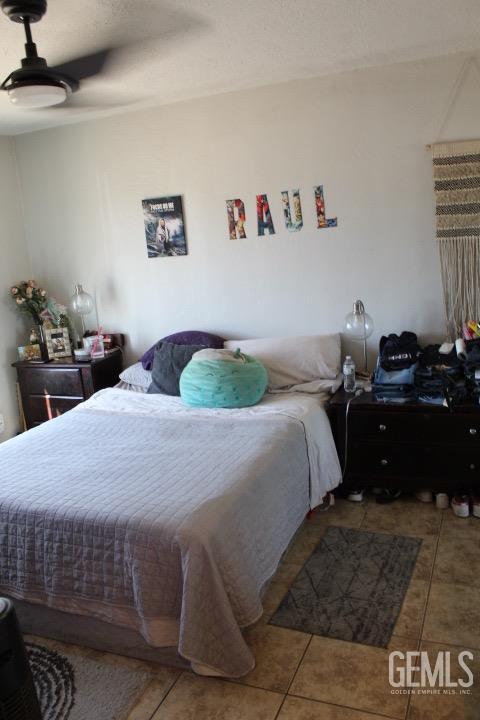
{"points": [[264, 216]]}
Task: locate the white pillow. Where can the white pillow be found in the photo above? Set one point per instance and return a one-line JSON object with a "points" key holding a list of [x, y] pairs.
{"points": [[136, 375], [294, 361]]}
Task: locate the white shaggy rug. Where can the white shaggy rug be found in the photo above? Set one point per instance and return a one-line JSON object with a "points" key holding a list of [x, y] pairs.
{"points": [[76, 683]]}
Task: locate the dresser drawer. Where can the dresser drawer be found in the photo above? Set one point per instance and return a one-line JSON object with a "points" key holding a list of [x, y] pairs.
{"points": [[386, 427], [459, 463], [455, 429], [385, 459], [51, 381], [45, 407]]}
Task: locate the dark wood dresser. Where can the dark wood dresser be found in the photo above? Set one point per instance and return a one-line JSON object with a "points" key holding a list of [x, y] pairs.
{"points": [[412, 446], [50, 389]]}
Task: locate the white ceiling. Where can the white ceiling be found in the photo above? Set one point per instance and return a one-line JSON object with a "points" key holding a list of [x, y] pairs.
{"points": [[180, 49]]}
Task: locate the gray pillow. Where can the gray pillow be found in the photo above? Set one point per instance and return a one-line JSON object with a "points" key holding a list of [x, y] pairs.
{"points": [[169, 361]]}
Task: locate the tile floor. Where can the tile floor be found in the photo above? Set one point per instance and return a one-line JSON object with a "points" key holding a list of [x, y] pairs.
{"points": [[304, 677]]}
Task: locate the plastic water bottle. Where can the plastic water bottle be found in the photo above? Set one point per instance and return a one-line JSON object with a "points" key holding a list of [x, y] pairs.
{"points": [[349, 375]]}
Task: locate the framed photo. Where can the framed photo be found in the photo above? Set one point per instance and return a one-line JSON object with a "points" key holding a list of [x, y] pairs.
{"points": [[58, 343], [29, 352], [164, 226]]}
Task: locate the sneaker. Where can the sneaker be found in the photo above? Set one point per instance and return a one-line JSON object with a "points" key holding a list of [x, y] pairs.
{"points": [[476, 505], [442, 501], [355, 495], [425, 496], [387, 496], [328, 501], [461, 506]]}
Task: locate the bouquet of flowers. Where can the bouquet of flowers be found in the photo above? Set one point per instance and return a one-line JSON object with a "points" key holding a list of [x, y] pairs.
{"points": [[30, 299], [45, 311]]}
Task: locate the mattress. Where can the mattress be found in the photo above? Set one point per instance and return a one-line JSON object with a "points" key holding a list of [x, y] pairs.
{"points": [[138, 511]]}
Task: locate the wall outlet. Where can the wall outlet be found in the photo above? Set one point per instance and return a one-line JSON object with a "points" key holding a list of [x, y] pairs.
{"points": [[2, 424]]}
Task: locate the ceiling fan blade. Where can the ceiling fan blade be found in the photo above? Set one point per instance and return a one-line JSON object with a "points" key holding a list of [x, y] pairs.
{"points": [[91, 100], [85, 66]]}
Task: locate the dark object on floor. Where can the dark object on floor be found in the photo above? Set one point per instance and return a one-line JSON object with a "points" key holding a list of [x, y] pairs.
{"points": [[18, 700], [352, 587], [387, 496]]}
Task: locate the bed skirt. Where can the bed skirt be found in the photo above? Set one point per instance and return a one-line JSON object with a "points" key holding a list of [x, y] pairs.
{"points": [[89, 632]]}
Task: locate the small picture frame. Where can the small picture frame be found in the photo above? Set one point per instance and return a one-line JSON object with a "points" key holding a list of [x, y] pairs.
{"points": [[29, 353], [58, 343]]}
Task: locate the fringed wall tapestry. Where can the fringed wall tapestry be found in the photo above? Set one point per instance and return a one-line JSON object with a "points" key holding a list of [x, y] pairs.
{"points": [[456, 169]]}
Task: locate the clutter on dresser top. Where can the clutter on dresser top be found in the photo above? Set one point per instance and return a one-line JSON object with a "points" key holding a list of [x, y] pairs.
{"points": [[438, 374]]}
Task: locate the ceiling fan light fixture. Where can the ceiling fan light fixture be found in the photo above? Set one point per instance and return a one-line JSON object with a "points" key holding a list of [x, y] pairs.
{"points": [[36, 84], [37, 96]]}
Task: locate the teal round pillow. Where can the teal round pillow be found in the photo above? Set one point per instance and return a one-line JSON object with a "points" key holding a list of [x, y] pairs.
{"points": [[222, 379]]}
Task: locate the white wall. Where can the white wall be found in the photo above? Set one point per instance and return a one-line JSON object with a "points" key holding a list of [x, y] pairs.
{"points": [[14, 266], [362, 134]]}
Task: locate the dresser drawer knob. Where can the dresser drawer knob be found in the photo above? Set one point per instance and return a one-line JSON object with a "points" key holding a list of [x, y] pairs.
{"points": [[383, 462], [382, 428], [473, 431]]}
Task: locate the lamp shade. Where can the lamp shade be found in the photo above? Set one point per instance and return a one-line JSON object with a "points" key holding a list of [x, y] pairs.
{"points": [[82, 302], [358, 324]]}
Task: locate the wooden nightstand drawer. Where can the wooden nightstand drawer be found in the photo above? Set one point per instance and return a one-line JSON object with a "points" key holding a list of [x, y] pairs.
{"points": [[386, 427], [385, 459], [45, 407], [53, 381], [48, 390]]}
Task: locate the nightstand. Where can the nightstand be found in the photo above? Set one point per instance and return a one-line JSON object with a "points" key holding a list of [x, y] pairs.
{"points": [[412, 446], [50, 389]]}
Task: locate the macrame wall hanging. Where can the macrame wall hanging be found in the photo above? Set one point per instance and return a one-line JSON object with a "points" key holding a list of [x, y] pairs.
{"points": [[456, 171]]}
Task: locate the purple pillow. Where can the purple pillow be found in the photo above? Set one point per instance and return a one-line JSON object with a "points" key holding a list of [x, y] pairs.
{"points": [[187, 337]]}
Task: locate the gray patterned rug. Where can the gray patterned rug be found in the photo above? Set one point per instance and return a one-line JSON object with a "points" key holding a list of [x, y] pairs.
{"points": [[85, 685], [352, 586]]}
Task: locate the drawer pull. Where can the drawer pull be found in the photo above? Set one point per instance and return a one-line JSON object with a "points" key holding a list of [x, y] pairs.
{"points": [[473, 431], [382, 428], [383, 462]]}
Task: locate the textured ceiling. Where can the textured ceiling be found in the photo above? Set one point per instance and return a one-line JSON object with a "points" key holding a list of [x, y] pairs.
{"points": [[182, 49]]}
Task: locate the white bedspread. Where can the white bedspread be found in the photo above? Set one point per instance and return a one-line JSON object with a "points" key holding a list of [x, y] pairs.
{"points": [[325, 471]]}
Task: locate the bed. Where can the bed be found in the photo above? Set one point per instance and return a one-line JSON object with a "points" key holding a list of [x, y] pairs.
{"points": [[152, 517]]}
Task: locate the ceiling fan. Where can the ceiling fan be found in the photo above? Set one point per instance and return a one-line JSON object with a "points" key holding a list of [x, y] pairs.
{"points": [[35, 84]]}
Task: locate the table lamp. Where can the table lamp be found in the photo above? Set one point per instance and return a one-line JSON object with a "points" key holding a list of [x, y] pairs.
{"points": [[359, 326], [82, 304]]}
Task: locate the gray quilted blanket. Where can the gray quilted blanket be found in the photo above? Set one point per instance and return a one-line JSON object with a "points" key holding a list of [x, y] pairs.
{"points": [[171, 523]]}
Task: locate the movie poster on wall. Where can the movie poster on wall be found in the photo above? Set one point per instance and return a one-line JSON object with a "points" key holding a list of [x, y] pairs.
{"points": [[164, 226]]}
